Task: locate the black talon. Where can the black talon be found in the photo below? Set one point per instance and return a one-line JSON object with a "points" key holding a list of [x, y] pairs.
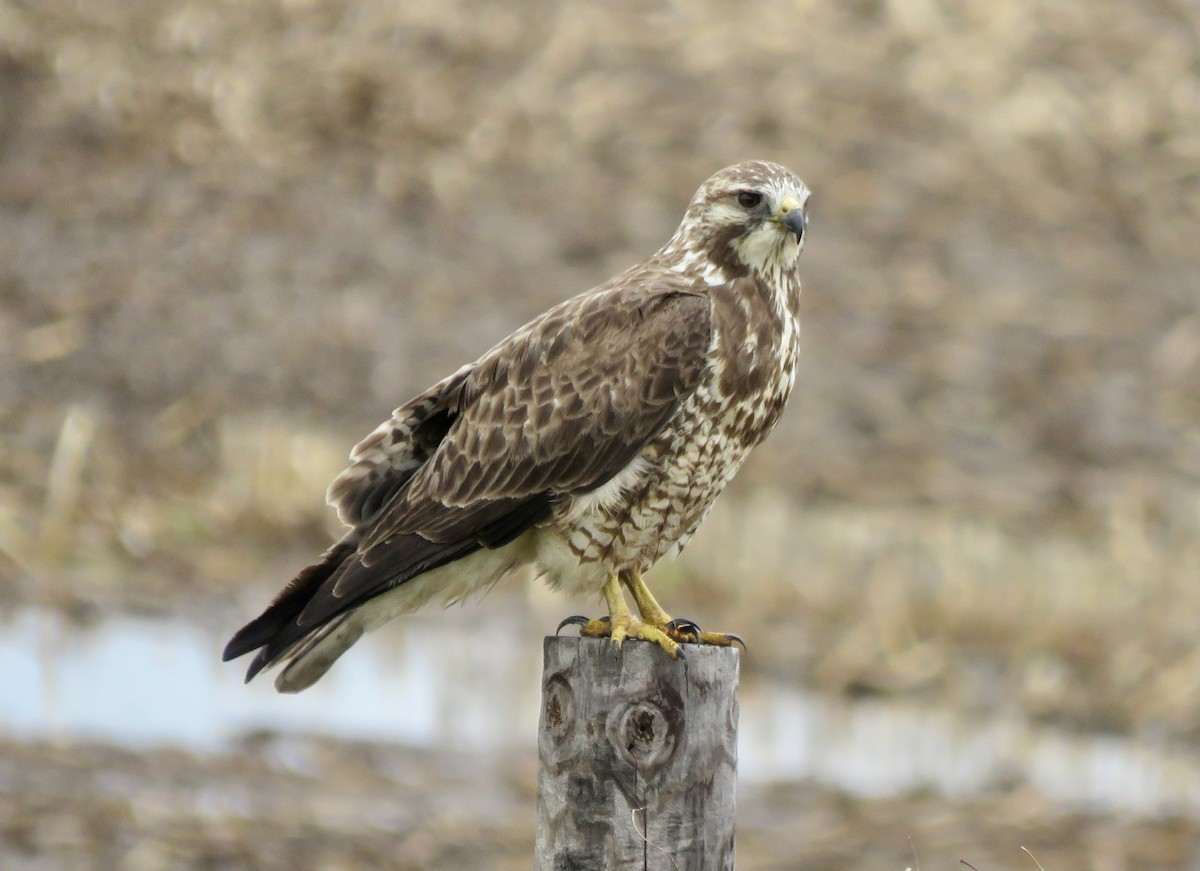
{"points": [[738, 639], [577, 620], [680, 625]]}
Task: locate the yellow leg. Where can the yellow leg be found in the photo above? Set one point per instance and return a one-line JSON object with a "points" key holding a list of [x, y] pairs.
{"points": [[618, 612], [653, 614], [647, 605]]}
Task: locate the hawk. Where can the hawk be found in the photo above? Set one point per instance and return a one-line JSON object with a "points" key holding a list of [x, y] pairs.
{"points": [[588, 444]]}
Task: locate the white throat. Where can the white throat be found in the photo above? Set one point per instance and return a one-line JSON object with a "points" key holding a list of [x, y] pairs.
{"points": [[769, 249]]}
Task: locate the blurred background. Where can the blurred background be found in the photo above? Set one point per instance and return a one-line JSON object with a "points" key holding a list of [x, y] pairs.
{"points": [[234, 235]]}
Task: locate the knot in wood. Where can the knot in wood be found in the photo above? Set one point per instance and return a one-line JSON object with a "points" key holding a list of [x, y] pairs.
{"points": [[645, 733], [559, 712]]}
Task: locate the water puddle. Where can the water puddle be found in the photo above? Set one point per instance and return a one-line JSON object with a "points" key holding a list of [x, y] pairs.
{"points": [[889, 747], [444, 681], [141, 681]]}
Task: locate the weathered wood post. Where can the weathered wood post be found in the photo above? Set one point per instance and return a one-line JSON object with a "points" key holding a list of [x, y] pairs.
{"points": [[637, 757]]}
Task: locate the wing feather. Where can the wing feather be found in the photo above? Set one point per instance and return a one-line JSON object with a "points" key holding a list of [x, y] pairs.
{"points": [[609, 370], [383, 463]]}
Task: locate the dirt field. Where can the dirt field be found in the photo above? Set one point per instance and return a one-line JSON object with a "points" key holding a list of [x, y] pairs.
{"points": [[234, 235], [282, 804]]}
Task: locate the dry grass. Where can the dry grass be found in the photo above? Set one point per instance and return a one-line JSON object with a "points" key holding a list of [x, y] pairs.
{"points": [[1094, 630], [1098, 630]]}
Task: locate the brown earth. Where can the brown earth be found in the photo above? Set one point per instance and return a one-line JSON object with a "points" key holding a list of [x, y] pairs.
{"points": [[315, 209], [300, 803]]}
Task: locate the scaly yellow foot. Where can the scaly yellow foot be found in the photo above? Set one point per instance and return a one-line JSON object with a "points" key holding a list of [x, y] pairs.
{"points": [[621, 624]]}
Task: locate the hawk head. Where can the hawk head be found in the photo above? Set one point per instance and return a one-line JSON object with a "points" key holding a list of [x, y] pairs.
{"points": [[749, 217]]}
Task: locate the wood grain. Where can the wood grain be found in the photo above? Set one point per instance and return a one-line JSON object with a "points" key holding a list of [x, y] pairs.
{"points": [[637, 757]]}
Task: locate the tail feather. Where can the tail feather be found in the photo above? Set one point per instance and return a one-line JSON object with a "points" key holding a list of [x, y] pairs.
{"points": [[324, 603], [289, 603], [318, 652], [313, 620]]}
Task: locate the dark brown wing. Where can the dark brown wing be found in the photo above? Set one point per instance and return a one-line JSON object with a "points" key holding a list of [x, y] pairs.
{"points": [[559, 407]]}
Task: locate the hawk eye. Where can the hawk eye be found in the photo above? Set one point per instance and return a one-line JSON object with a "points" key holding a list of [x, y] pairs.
{"points": [[749, 199]]}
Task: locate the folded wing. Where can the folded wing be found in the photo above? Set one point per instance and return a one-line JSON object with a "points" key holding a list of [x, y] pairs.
{"points": [[556, 409]]}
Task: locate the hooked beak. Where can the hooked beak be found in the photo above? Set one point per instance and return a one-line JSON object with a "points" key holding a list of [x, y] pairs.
{"points": [[792, 216]]}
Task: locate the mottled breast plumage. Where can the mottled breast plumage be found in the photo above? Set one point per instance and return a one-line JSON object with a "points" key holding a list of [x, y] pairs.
{"points": [[748, 374]]}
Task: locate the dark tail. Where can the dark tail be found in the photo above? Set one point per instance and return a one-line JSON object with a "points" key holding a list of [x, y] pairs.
{"points": [[274, 623], [309, 618]]}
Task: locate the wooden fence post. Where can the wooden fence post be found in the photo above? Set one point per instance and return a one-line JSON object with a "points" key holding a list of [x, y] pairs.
{"points": [[637, 757]]}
